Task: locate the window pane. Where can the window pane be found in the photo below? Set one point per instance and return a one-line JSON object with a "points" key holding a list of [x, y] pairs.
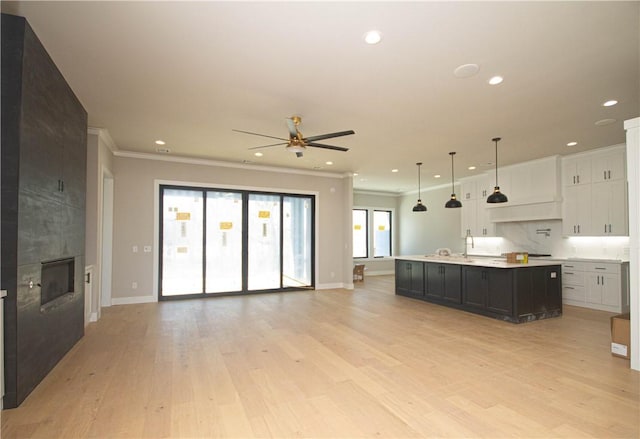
{"points": [[296, 242], [181, 242], [224, 242], [360, 233], [381, 233], [264, 242]]}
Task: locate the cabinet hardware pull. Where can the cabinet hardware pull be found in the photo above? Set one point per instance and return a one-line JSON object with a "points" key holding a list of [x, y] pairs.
{"points": [[578, 179], [605, 228], [609, 228], [598, 279], [605, 175], [569, 272], [569, 288], [578, 228], [601, 268], [574, 228]]}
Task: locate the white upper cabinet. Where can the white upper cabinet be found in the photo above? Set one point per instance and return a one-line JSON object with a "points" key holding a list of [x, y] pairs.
{"points": [[576, 170], [604, 192], [468, 190], [609, 166], [609, 208]]}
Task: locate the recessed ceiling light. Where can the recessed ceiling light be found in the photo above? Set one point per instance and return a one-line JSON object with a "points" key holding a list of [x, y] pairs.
{"points": [[394, 170], [610, 103], [436, 176], [160, 142], [328, 163], [372, 37], [572, 143], [355, 174], [466, 70], [258, 154], [496, 80], [604, 122], [471, 168]]}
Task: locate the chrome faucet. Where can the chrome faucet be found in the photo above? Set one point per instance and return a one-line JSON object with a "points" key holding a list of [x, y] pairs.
{"points": [[466, 240]]}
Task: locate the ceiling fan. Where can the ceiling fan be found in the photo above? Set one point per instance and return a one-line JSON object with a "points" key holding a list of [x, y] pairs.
{"points": [[297, 142]]}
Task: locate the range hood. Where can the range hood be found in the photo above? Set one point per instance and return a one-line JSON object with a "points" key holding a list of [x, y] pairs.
{"points": [[534, 211]]}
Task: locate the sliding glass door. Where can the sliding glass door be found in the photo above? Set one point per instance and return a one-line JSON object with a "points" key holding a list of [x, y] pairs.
{"points": [[182, 231], [224, 242], [233, 242]]}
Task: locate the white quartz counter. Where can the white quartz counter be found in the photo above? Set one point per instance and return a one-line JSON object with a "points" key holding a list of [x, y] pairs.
{"points": [[477, 261]]}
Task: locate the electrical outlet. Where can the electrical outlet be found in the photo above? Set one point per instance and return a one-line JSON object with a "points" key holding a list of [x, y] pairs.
{"points": [[147, 249], [134, 249], [134, 285]]}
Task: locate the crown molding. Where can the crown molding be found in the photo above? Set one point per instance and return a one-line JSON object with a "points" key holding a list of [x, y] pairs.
{"points": [[103, 134], [223, 164], [377, 193]]}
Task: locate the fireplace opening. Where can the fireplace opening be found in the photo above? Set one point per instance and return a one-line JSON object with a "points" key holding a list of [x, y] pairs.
{"points": [[57, 279]]}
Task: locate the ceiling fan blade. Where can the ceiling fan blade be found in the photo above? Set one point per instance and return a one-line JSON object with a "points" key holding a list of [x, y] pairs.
{"points": [[328, 136], [267, 146], [320, 145], [261, 135]]}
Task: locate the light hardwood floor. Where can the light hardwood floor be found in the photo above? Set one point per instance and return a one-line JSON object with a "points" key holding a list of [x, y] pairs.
{"points": [[333, 363]]}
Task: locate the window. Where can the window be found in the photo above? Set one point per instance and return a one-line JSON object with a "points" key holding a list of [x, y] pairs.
{"points": [[360, 233], [372, 226], [381, 233]]}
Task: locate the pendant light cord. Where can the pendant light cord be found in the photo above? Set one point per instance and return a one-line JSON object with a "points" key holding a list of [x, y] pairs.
{"points": [[452, 185]]}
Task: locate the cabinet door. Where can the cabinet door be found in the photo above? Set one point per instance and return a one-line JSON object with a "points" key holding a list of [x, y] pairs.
{"points": [[469, 218], [434, 285], [609, 166], [576, 216], [576, 171], [500, 290], [475, 287], [484, 187], [594, 288], [609, 208], [403, 276], [452, 283], [417, 279], [618, 209], [610, 284], [484, 227], [468, 190]]}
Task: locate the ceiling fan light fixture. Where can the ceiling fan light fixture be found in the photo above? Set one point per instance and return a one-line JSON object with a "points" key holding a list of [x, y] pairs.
{"points": [[497, 196], [453, 202], [419, 207]]}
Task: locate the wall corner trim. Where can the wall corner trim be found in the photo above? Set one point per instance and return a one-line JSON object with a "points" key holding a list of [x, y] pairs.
{"points": [[104, 135]]}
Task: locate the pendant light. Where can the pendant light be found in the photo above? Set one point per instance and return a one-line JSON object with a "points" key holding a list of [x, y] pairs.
{"points": [[453, 202], [419, 207], [497, 196]]}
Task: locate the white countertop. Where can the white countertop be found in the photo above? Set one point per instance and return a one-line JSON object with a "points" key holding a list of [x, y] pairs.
{"points": [[477, 261]]}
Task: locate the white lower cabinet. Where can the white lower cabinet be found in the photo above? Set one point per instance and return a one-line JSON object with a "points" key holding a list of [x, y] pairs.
{"points": [[597, 285]]}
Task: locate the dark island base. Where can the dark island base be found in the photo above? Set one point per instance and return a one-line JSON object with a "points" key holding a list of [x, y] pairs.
{"points": [[516, 295]]}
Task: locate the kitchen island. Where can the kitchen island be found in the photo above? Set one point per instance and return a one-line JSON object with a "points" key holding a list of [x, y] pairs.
{"points": [[489, 286]]}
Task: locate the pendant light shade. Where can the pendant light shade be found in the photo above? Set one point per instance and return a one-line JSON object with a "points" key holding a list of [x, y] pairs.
{"points": [[453, 202], [497, 196], [419, 207]]}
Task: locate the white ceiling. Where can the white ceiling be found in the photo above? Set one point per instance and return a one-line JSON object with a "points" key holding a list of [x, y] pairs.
{"points": [[189, 73]]}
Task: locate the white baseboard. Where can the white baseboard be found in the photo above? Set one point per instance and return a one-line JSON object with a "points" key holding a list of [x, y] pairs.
{"points": [[93, 317], [330, 286], [133, 300], [379, 272]]}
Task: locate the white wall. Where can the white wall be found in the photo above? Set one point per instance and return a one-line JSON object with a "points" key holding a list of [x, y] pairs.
{"points": [[422, 233], [136, 179]]}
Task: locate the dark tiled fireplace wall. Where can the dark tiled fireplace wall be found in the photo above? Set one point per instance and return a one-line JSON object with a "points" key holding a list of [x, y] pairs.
{"points": [[44, 144]]}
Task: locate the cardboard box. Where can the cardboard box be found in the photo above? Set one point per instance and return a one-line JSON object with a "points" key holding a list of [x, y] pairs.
{"points": [[518, 258], [621, 336]]}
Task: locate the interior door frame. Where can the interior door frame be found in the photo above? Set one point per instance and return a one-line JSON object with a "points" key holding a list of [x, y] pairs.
{"points": [[157, 251]]}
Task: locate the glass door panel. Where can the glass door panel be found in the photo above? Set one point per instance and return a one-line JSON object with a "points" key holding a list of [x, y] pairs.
{"points": [[263, 242], [182, 230], [224, 242], [297, 241]]}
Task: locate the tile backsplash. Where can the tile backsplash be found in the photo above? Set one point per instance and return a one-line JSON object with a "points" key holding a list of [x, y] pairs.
{"points": [[545, 237]]}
